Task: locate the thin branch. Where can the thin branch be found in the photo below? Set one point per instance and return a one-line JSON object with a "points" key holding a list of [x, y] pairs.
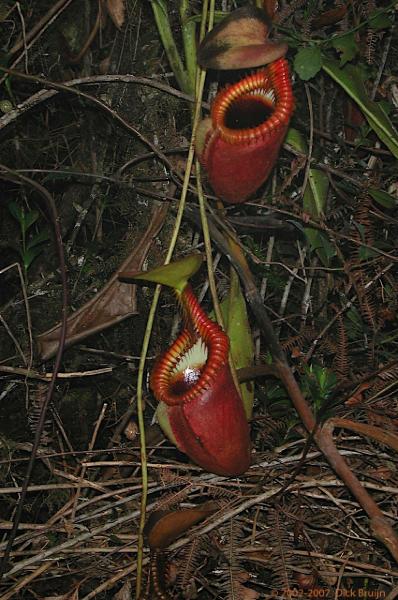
{"points": [[8, 174]]}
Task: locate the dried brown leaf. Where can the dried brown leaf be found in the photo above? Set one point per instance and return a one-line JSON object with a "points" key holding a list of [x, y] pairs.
{"points": [[114, 302], [330, 17], [163, 527], [125, 592], [240, 591], [116, 10], [385, 437]]}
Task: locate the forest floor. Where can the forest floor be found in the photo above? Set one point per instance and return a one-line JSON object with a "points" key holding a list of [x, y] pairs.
{"points": [[95, 141]]}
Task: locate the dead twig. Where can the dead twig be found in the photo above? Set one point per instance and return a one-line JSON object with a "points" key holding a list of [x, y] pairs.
{"points": [[8, 174], [381, 528]]}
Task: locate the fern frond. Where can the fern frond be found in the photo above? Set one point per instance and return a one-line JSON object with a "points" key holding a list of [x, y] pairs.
{"points": [[299, 341], [385, 379], [281, 541], [34, 412], [341, 360], [169, 477], [365, 296], [371, 40], [371, 36], [273, 431], [173, 498], [230, 582], [158, 578], [188, 564], [221, 493], [288, 10]]}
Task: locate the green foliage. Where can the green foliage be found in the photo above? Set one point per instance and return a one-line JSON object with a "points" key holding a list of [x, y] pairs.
{"points": [[308, 62], [32, 242], [237, 326], [175, 274], [320, 243], [354, 323], [314, 54], [347, 46], [315, 193], [318, 384], [279, 403], [314, 202], [351, 79], [184, 68], [379, 20], [383, 198]]}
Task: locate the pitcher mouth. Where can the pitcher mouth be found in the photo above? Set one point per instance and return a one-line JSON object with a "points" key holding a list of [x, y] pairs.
{"points": [[191, 364], [254, 107]]}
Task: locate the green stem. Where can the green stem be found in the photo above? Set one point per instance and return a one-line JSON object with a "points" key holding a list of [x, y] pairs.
{"points": [[208, 248], [166, 35], [23, 232], [188, 29], [148, 331]]}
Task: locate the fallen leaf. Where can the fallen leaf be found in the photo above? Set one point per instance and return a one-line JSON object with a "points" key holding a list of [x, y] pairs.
{"points": [[125, 592], [380, 435], [165, 526], [114, 302], [357, 397], [116, 10], [329, 17]]}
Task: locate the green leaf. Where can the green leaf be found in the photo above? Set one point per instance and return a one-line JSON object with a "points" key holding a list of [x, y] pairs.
{"points": [[314, 201], [316, 192], [175, 274], [237, 326], [296, 140], [162, 418], [347, 46], [364, 253], [318, 383], [30, 218], [379, 21], [351, 81], [16, 211], [41, 237], [163, 24], [25, 219], [30, 255], [386, 107], [219, 15], [162, 5], [321, 245], [383, 198], [308, 62]]}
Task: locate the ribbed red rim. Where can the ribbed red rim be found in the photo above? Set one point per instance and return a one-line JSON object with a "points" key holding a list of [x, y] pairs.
{"points": [[273, 83], [199, 326]]}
